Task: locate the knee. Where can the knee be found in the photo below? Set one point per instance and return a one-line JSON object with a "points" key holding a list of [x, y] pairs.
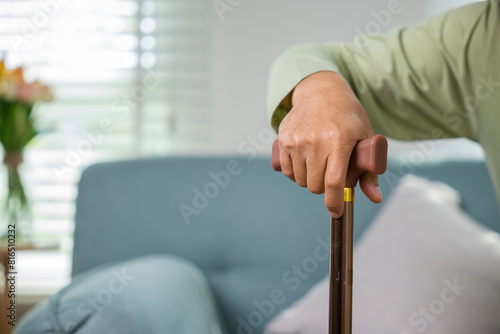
{"points": [[143, 295]]}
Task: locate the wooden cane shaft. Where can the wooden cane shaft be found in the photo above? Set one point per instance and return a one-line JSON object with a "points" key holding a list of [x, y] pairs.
{"points": [[341, 258]]}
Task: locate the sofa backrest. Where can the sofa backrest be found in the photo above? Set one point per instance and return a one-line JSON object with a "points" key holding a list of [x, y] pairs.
{"points": [[257, 236]]}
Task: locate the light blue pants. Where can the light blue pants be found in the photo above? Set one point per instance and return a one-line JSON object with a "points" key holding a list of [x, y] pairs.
{"points": [[148, 295]]}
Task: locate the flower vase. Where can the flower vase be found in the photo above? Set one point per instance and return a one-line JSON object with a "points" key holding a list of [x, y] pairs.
{"points": [[16, 216]]}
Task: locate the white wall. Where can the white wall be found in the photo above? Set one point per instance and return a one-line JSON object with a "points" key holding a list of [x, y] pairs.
{"points": [[440, 6], [256, 32]]}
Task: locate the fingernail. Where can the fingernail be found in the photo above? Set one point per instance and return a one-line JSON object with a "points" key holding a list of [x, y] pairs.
{"points": [[379, 193]]}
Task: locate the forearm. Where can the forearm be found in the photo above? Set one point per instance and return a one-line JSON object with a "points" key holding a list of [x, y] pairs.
{"points": [[293, 66]]}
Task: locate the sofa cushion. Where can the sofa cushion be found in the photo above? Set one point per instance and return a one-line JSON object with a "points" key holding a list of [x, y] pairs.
{"points": [[423, 265]]}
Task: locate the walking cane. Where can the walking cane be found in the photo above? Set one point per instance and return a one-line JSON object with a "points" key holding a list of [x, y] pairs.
{"points": [[369, 155]]}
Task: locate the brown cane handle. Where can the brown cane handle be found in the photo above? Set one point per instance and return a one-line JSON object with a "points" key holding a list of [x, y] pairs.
{"points": [[369, 156]]}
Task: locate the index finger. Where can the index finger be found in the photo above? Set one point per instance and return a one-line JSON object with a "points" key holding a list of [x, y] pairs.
{"points": [[335, 177]]}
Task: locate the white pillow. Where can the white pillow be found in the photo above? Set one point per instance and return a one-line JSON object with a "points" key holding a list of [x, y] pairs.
{"points": [[422, 266]]}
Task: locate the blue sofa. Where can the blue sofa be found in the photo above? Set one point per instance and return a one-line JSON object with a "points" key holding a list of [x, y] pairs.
{"points": [[247, 228]]}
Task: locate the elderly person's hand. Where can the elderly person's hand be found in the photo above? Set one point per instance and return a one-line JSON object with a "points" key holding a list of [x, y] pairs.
{"points": [[317, 137]]}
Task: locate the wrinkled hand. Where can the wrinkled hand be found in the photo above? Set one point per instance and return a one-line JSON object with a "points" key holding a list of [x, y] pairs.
{"points": [[317, 137]]}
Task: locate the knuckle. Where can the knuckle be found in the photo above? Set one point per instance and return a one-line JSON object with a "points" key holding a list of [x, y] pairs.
{"points": [[300, 141], [286, 141], [302, 183], [334, 180], [315, 188], [311, 140], [335, 132], [315, 184], [287, 172]]}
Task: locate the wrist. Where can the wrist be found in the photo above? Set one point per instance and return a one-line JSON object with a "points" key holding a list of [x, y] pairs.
{"points": [[317, 84]]}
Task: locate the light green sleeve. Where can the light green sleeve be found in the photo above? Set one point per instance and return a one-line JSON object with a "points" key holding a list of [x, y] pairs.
{"points": [[434, 80], [407, 80]]}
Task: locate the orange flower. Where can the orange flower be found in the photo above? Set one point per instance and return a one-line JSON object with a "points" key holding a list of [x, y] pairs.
{"points": [[2, 68], [18, 74], [14, 88]]}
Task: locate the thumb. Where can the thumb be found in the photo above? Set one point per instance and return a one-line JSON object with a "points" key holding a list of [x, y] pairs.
{"points": [[369, 186]]}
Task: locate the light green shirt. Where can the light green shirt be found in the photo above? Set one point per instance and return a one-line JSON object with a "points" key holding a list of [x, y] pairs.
{"points": [[435, 80]]}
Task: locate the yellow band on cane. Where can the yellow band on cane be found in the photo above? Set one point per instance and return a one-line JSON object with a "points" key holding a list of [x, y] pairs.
{"points": [[348, 194]]}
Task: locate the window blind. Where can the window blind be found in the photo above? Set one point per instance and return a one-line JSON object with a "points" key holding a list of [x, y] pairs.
{"points": [[130, 78]]}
